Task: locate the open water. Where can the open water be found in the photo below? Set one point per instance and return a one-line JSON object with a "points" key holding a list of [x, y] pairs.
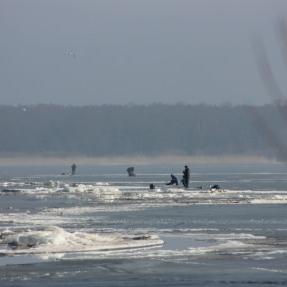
{"points": [[103, 228]]}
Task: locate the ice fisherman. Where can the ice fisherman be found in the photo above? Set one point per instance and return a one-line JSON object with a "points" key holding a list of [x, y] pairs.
{"points": [[173, 180], [73, 169], [131, 171], [214, 186], [185, 176]]}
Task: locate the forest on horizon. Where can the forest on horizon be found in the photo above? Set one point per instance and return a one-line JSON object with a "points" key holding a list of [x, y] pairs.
{"points": [[156, 129]]}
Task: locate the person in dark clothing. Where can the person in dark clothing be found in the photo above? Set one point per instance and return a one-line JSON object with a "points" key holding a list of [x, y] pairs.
{"points": [[73, 169], [131, 171], [173, 180], [185, 176], [215, 186]]}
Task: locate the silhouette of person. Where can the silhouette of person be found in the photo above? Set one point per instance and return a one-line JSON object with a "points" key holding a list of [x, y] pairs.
{"points": [[73, 169], [185, 176], [173, 180], [131, 171], [214, 187]]}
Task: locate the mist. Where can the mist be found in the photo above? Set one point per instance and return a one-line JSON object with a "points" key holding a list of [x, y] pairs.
{"points": [[143, 130], [71, 52]]}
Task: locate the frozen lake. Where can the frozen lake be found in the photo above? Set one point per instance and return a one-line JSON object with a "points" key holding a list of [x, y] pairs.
{"points": [[103, 228]]}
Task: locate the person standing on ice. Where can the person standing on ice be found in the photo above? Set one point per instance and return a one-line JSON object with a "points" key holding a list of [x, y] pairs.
{"points": [[185, 176], [73, 169]]}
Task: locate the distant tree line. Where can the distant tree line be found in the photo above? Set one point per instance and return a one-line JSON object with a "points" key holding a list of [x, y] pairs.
{"points": [[144, 130]]}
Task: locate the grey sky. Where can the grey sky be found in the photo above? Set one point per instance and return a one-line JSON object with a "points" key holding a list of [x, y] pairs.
{"points": [[82, 52]]}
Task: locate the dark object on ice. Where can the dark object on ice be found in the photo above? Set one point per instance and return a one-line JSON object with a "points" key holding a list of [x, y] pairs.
{"points": [[63, 173], [7, 190], [141, 237], [151, 186], [215, 186], [131, 171], [173, 180], [185, 176], [73, 169]]}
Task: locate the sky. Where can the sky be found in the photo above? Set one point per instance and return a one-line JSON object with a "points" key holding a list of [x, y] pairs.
{"points": [[94, 52]]}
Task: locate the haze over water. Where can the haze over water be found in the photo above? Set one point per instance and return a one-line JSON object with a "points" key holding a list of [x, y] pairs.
{"points": [[153, 85]]}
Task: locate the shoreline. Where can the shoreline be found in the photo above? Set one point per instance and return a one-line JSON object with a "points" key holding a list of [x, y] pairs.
{"points": [[131, 160]]}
